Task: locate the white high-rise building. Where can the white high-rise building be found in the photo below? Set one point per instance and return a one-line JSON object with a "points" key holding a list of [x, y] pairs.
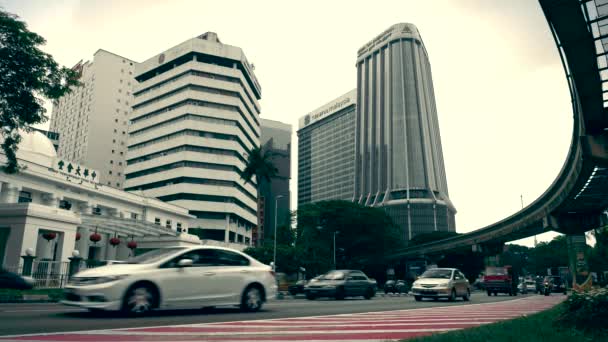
{"points": [[92, 120], [195, 118]]}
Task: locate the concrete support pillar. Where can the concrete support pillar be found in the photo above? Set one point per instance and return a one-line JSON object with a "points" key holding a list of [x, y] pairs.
{"points": [[122, 251], [576, 255], [19, 240], [10, 193], [74, 265], [85, 208], [83, 243], [66, 244], [111, 250], [28, 262]]}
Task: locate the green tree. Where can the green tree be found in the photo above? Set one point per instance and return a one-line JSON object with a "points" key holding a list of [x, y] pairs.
{"points": [[27, 73], [519, 258], [549, 254], [363, 236], [260, 165], [286, 252]]}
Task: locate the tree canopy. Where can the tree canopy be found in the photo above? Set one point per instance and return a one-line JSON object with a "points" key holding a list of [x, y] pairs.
{"points": [[259, 164], [27, 73], [363, 236]]}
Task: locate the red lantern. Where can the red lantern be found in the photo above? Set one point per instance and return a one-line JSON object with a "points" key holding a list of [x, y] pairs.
{"points": [[95, 237], [49, 236], [115, 241], [132, 244], [78, 236]]}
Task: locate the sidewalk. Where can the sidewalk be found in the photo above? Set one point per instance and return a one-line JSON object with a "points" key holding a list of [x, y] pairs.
{"points": [[30, 296]]}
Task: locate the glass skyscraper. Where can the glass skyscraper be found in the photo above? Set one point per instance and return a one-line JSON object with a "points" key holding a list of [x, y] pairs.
{"points": [[399, 160], [326, 151]]}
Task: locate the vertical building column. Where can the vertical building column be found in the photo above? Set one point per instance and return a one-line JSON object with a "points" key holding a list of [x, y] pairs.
{"points": [[52, 200], [20, 238], [10, 193], [111, 250], [122, 251], [83, 244], [227, 231], [65, 244]]}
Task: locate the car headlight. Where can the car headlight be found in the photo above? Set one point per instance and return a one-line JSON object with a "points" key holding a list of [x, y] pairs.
{"points": [[96, 280], [446, 284], [416, 284]]}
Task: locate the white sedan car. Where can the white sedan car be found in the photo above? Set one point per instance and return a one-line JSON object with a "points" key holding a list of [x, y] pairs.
{"points": [[175, 277]]}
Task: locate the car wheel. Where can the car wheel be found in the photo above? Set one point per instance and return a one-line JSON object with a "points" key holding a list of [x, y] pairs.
{"points": [[452, 296], [252, 299], [417, 298], [310, 296], [139, 300], [467, 297], [489, 294], [340, 293], [385, 291], [369, 293]]}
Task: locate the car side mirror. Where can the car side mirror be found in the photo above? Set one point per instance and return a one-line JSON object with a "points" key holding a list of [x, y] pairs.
{"points": [[184, 263]]}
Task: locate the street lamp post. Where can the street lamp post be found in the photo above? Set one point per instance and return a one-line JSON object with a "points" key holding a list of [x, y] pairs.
{"points": [[274, 257], [335, 265]]}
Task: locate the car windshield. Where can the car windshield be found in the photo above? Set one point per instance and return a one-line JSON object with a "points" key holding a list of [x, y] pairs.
{"points": [[437, 273], [154, 255], [334, 275]]}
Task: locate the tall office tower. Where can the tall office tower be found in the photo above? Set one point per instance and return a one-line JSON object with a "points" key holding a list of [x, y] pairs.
{"points": [[92, 120], [276, 138], [195, 118], [326, 151], [398, 146]]}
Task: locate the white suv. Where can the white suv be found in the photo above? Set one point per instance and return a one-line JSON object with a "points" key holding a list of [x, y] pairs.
{"points": [[175, 277]]}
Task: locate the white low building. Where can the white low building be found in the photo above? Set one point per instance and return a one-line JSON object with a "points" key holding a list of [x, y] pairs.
{"points": [[55, 207]]}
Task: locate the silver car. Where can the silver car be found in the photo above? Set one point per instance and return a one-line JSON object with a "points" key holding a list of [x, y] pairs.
{"points": [[442, 283]]}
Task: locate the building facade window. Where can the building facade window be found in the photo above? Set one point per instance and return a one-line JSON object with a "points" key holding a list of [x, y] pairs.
{"points": [[24, 197]]}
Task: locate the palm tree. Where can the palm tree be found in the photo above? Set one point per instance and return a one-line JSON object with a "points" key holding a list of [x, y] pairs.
{"points": [[259, 163]]}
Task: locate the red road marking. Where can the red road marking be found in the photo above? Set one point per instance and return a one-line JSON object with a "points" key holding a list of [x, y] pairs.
{"points": [[373, 326]]}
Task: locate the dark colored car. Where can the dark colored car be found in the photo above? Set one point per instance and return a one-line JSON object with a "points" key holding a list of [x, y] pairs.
{"points": [[9, 280], [556, 283], [340, 284], [297, 288], [539, 284], [395, 286]]}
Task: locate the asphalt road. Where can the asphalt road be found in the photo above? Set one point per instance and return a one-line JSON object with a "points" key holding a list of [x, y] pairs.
{"points": [[44, 318]]}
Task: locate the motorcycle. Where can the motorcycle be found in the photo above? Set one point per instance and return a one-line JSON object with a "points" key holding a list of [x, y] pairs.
{"points": [[547, 287]]}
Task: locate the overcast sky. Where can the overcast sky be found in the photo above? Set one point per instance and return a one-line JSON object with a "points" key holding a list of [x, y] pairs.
{"points": [[502, 99]]}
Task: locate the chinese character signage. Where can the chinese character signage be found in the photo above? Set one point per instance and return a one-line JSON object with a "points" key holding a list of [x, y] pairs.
{"points": [[74, 170]]}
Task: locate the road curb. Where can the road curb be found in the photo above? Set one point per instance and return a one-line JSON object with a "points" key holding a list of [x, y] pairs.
{"points": [[6, 298]]}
